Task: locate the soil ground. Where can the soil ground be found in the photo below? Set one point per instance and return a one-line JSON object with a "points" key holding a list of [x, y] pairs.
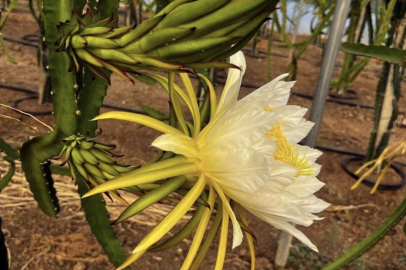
{"points": [[38, 242]]}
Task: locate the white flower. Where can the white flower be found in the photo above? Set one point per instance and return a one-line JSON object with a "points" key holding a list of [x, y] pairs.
{"points": [[250, 150]]}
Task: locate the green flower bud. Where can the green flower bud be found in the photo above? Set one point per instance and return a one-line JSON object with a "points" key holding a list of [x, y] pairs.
{"points": [[185, 34]]}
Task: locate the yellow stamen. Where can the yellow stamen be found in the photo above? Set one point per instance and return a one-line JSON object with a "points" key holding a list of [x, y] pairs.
{"points": [[285, 152]]}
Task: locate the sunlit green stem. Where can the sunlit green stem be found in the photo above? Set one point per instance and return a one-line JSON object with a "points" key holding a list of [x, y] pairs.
{"points": [[36, 152]]}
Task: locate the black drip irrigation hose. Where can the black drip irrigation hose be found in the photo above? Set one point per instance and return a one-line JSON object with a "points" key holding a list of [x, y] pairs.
{"points": [[33, 38], [262, 55], [339, 101], [22, 42], [340, 151], [349, 94], [16, 102]]}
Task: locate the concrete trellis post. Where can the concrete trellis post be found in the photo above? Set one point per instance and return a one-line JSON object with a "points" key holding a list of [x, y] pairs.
{"points": [[319, 101]]}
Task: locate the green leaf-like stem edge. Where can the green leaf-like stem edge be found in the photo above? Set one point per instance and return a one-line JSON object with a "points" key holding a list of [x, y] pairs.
{"points": [[392, 55], [36, 153], [99, 221], [11, 155], [370, 241]]}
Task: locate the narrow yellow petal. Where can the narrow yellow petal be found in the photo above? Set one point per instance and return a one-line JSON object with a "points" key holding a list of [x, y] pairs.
{"points": [[248, 236], [164, 82], [213, 96], [214, 228], [221, 253], [237, 233], [130, 260], [176, 104], [178, 160], [140, 119], [173, 217], [197, 240], [192, 97], [133, 178], [119, 198]]}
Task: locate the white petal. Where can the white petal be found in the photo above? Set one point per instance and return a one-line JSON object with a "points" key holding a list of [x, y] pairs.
{"points": [[179, 144], [260, 94], [296, 134], [314, 205], [242, 129], [222, 192], [309, 204], [233, 84], [292, 115], [282, 175], [237, 232], [287, 227], [264, 204], [281, 222], [265, 147], [316, 169], [311, 154], [237, 168], [273, 94], [304, 186]]}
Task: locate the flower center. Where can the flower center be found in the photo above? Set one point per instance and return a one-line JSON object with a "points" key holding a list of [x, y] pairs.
{"points": [[286, 153]]}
